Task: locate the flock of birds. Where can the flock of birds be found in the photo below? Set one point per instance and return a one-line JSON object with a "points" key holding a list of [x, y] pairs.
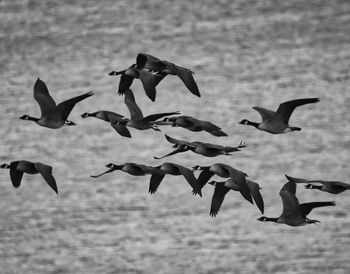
{"points": [[151, 70]]}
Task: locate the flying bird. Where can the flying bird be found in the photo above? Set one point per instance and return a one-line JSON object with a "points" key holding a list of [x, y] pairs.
{"points": [[18, 168], [176, 170], [192, 124], [151, 70], [277, 122], [333, 187], [294, 214], [53, 116], [222, 188], [225, 171], [205, 149], [117, 121]]}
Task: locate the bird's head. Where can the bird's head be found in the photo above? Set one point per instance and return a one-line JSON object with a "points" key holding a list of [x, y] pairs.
{"points": [[69, 123], [5, 166], [24, 117], [244, 122], [262, 219], [85, 115]]}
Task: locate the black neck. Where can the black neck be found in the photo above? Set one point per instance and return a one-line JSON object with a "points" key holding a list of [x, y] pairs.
{"points": [[254, 124], [33, 119], [267, 219], [315, 187]]}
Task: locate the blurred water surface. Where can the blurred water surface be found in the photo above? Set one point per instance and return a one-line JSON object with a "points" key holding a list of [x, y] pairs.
{"points": [[244, 53]]}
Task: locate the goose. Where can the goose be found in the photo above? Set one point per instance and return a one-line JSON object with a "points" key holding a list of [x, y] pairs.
{"points": [[17, 168], [222, 188], [176, 170], [224, 171], [136, 117], [53, 116], [116, 120], [205, 149], [294, 214], [192, 124], [151, 70], [131, 168], [333, 187], [148, 79], [277, 122]]}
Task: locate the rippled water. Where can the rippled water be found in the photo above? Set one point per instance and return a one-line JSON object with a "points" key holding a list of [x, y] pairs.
{"points": [[244, 53]]}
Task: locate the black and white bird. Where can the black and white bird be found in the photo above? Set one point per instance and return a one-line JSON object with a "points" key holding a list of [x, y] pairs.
{"points": [[117, 121], [192, 124], [205, 149], [18, 168], [222, 188], [277, 122], [333, 187], [137, 120], [225, 171], [175, 170], [294, 214], [52, 115], [151, 70]]}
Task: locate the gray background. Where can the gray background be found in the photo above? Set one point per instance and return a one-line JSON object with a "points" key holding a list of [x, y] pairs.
{"points": [[244, 53]]}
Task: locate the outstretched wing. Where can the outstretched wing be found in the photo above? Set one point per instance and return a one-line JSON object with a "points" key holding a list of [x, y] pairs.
{"points": [[149, 81], [66, 107], [266, 114], [239, 178], [285, 109], [189, 176], [289, 200], [130, 102], [125, 83], [16, 177], [307, 207], [46, 172], [155, 181], [218, 197], [44, 99], [121, 129], [176, 141], [255, 192], [186, 75]]}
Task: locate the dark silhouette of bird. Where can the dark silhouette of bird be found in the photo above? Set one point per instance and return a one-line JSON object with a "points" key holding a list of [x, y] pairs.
{"points": [[333, 187], [277, 122], [18, 168], [53, 116], [117, 121], [222, 188], [294, 214], [205, 149], [151, 70], [192, 124], [225, 171]]}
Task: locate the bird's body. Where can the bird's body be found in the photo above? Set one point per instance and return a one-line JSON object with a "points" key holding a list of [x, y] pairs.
{"points": [[175, 170], [333, 187], [53, 116], [151, 70], [294, 214], [131, 168], [222, 188], [193, 124], [116, 120], [137, 120], [205, 149], [18, 168], [225, 171], [277, 122]]}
